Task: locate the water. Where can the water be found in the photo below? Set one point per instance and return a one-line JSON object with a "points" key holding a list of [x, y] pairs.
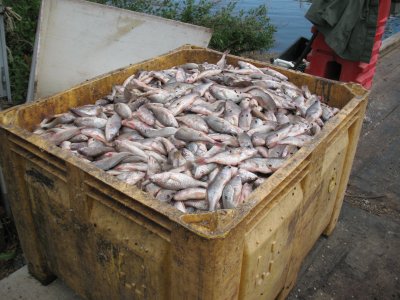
{"points": [[392, 26], [288, 17]]}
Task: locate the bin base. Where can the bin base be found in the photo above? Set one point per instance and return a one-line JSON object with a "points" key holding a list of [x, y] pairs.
{"points": [[41, 274]]}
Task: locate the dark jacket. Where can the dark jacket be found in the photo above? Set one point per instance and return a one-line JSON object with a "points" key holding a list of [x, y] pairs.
{"points": [[349, 26]]}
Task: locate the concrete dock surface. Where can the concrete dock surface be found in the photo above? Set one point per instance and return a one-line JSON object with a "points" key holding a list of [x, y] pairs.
{"points": [[360, 260]]}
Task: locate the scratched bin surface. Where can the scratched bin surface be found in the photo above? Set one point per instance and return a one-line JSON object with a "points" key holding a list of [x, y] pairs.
{"points": [[109, 240]]}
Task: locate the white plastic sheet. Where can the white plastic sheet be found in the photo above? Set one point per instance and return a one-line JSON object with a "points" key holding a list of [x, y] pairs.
{"points": [[78, 40]]}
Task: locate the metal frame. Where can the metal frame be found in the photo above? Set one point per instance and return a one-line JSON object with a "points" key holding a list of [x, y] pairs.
{"points": [[5, 90]]}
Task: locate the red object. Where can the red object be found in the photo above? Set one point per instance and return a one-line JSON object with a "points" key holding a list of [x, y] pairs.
{"points": [[325, 63]]}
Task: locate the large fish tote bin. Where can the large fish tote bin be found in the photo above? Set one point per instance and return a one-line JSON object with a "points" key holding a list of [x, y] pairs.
{"points": [[109, 240]]}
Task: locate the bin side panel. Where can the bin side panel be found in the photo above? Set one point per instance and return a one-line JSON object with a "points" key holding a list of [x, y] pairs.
{"points": [[268, 247], [68, 228], [206, 269], [130, 260], [324, 196], [354, 135], [51, 211], [320, 188], [14, 160], [332, 171]]}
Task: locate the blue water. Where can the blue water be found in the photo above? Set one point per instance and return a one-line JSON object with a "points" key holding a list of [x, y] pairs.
{"points": [[287, 16], [392, 26]]}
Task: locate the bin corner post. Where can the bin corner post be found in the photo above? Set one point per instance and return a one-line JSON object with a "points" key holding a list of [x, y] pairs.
{"points": [[14, 175], [210, 268], [354, 135]]}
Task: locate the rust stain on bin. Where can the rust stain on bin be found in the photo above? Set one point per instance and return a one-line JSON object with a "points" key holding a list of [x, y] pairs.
{"points": [[108, 240]]}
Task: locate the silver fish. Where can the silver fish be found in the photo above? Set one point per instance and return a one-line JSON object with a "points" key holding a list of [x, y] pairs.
{"points": [[66, 145], [230, 157], [63, 135], [247, 188], [90, 122], [180, 206], [95, 151], [203, 170], [231, 192], [276, 151], [274, 73], [129, 146], [190, 135], [246, 176], [212, 175], [262, 165], [190, 194], [224, 93], [153, 166], [265, 128], [152, 189], [123, 110], [77, 146], [131, 177], [112, 127], [213, 151], [163, 132], [202, 88], [232, 112], [245, 119], [165, 195], [204, 74], [128, 167], [79, 138], [289, 130], [263, 151], [314, 111], [182, 103], [194, 121], [255, 122], [215, 188], [110, 162], [327, 113], [145, 115], [222, 126], [61, 119], [176, 181], [87, 110], [298, 140], [164, 116], [199, 204], [225, 139]]}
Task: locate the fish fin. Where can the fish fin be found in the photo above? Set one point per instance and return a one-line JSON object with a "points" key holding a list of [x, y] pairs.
{"points": [[220, 144], [200, 161]]}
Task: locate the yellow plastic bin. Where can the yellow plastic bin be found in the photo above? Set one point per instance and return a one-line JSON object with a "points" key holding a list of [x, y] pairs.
{"points": [[109, 240]]}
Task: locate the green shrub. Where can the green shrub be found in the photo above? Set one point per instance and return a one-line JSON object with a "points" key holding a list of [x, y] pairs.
{"points": [[239, 31], [20, 41]]}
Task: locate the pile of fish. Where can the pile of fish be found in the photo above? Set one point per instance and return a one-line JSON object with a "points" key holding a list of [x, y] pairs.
{"points": [[198, 136]]}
